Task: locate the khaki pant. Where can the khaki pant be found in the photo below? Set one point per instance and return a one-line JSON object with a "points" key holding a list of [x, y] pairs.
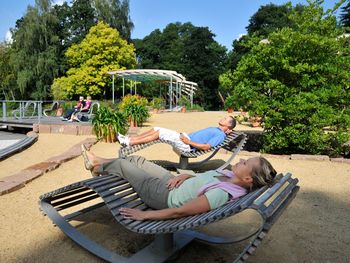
{"points": [[148, 179]]}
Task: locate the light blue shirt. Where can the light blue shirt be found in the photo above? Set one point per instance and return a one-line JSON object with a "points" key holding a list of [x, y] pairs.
{"points": [[212, 136]]}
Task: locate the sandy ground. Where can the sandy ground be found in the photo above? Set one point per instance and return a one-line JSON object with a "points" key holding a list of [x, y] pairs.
{"points": [[314, 228]]}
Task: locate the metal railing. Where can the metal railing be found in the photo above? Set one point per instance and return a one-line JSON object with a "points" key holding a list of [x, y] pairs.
{"points": [[22, 109]]}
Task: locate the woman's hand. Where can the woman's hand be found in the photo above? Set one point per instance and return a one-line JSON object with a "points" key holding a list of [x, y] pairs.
{"points": [[134, 214], [177, 181]]}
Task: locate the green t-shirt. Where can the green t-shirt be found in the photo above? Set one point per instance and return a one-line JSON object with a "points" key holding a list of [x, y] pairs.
{"points": [[189, 189]]}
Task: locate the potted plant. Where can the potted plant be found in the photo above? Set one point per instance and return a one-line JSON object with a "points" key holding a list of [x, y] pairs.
{"points": [[230, 103], [136, 114], [157, 104], [135, 109], [107, 123], [184, 103], [255, 121]]}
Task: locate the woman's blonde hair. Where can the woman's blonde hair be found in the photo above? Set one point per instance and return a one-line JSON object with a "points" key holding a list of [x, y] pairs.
{"points": [[263, 174]]}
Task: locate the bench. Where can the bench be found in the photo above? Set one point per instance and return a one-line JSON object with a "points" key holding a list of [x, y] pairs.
{"points": [[233, 143], [170, 235]]}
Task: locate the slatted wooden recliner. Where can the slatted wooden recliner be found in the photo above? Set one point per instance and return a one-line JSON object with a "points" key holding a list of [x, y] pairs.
{"points": [[233, 143], [170, 235]]}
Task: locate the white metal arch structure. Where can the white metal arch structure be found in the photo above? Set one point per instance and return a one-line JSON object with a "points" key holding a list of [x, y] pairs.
{"points": [[177, 82]]}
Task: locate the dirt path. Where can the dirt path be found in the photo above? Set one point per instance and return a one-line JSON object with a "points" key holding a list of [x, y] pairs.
{"points": [[315, 228]]}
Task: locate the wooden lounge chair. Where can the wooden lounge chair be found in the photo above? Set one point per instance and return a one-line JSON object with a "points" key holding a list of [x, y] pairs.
{"points": [[233, 142], [170, 235]]}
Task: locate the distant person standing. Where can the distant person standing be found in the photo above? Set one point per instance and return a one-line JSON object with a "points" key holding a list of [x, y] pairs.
{"points": [[80, 105]]}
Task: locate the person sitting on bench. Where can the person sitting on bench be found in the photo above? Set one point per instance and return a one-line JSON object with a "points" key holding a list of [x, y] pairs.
{"points": [[183, 195], [202, 140], [80, 104]]}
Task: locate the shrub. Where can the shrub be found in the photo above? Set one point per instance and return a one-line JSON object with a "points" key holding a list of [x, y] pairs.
{"points": [[299, 83], [132, 100], [231, 102], [107, 123], [136, 114], [157, 103]]}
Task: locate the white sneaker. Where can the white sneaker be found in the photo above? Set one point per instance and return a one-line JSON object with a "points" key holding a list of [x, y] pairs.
{"points": [[121, 138], [121, 135], [127, 141]]}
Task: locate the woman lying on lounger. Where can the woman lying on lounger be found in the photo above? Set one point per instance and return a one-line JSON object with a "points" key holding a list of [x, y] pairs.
{"points": [[183, 195]]}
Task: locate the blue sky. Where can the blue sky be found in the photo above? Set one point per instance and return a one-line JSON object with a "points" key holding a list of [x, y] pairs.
{"points": [[227, 19]]}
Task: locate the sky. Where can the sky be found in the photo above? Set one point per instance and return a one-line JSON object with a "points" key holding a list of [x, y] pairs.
{"points": [[227, 19]]}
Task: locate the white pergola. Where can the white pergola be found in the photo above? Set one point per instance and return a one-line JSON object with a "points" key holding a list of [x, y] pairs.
{"points": [[177, 83]]}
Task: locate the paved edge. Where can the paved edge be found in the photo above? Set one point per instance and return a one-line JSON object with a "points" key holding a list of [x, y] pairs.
{"points": [[18, 180]]}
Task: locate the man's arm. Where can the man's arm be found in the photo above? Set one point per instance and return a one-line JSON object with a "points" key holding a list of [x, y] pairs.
{"points": [[198, 146], [196, 206]]}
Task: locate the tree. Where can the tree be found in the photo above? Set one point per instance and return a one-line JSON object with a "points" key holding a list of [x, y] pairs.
{"points": [[299, 83], [203, 63], [189, 50], [116, 14], [345, 15], [101, 51], [35, 50], [7, 76], [266, 20], [269, 18], [79, 27]]}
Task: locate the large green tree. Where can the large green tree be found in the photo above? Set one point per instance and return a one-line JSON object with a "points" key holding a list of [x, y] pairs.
{"points": [[299, 82], [266, 20], [116, 14], [7, 76], [35, 51], [101, 51], [345, 16], [189, 50]]}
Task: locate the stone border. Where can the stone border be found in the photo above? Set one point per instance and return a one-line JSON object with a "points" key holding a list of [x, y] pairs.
{"points": [[304, 157], [18, 180], [71, 129]]}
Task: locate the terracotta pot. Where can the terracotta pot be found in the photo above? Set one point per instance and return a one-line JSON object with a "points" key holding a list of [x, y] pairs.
{"points": [[255, 121], [229, 110], [183, 109]]}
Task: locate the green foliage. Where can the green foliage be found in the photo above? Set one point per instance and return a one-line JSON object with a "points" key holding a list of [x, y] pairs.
{"points": [[269, 18], [34, 57], [345, 16], [136, 113], [134, 107], [184, 101], [107, 123], [299, 83], [132, 100], [195, 107], [101, 51], [266, 20], [157, 103], [230, 102], [116, 14], [183, 47], [7, 76]]}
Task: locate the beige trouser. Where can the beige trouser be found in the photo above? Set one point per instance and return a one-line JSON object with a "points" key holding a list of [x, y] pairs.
{"points": [[148, 179]]}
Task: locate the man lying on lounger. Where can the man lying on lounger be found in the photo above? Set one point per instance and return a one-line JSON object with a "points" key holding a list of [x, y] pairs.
{"points": [[202, 140], [183, 195]]}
